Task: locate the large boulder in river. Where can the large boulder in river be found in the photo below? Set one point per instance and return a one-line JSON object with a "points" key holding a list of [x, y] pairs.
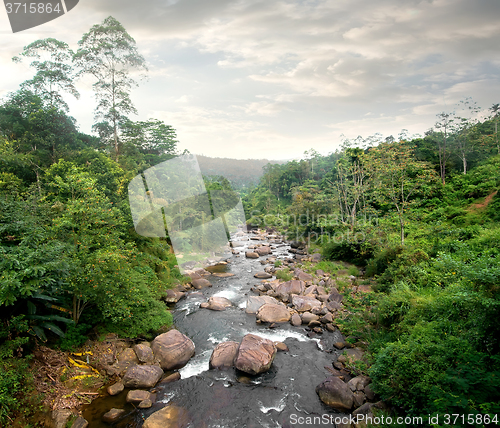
{"points": [[168, 417], [200, 283], [305, 303], [255, 302], [217, 303], [263, 251], [271, 312], [142, 376], [255, 354], [251, 255], [335, 393], [172, 349], [223, 355], [290, 287]]}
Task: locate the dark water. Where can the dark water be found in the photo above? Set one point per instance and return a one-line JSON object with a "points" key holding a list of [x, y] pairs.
{"points": [[229, 398]]}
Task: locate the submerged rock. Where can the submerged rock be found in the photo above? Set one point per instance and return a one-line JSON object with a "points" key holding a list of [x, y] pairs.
{"points": [[168, 417]]}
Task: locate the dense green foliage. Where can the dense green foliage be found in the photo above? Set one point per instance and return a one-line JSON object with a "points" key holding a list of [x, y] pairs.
{"points": [[425, 225], [71, 263]]}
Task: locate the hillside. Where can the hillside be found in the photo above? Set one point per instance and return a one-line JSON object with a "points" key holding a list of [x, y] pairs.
{"points": [[242, 173]]}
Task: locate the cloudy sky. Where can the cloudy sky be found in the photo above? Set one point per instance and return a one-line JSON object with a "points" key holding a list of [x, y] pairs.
{"points": [[271, 79]]}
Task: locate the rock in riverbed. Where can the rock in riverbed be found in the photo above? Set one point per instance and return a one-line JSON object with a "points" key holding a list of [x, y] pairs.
{"points": [[172, 349], [255, 354]]}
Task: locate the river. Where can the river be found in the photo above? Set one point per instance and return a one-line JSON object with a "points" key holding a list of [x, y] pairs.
{"points": [[229, 399]]}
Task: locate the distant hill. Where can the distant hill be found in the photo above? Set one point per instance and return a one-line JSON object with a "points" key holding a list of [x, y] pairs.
{"points": [[242, 173]]}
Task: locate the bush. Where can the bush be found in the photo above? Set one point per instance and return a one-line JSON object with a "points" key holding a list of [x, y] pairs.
{"points": [[284, 274], [354, 252], [74, 337]]}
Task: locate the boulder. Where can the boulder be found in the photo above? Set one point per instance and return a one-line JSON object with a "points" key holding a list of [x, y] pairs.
{"points": [[172, 349], [312, 289], [168, 417], [170, 378], [316, 257], [128, 356], [142, 376], [308, 317], [335, 296], [358, 399], [255, 354], [328, 318], [223, 355], [135, 396], [358, 383], [255, 302], [145, 404], [80, 423], [251, 255], [60, 417], [263, 251], [173, 296], [116, 388], [200, 283], [271, 312], [302, 276], [335, 393], [305, 303], [263, 275], [217, 303], [296, 320], [291, 287], [144, 353], [370, 395], [281, 347], [113, 415], [333, 306]]}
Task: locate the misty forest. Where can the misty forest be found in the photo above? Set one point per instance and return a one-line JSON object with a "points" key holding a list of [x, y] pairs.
{"points": [[403, 231]]}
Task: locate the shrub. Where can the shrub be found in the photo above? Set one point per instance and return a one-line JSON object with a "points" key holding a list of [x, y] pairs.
{"points": [[284, 274]]}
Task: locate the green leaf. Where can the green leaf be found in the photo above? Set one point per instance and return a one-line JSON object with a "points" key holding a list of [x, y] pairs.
{"points": [[53, 328], [31, 308], [39, 332]]}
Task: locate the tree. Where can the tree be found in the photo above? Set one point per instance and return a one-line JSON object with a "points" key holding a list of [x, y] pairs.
{"points": [[397, 175], [464, 130], [443, 126], [54, 72], [151, 137], [109, 53], [495, 112]]}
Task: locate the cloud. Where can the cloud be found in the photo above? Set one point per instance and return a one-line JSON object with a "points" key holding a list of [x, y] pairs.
{"points": [[255, 73]]}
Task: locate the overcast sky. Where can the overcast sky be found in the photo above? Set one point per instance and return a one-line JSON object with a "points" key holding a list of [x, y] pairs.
{"points": [[271, 79]]}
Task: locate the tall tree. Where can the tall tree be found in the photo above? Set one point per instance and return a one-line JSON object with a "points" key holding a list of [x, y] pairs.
{"points": [[54, 71], [397, 176], [443, 125], [152, 137], [465, 125], [495, 112], [109, 53]]}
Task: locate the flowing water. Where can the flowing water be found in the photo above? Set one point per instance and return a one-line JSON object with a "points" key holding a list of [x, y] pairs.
{"points": [[230, 399]]}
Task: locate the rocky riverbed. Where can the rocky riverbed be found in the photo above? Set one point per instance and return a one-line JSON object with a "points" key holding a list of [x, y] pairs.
{"points": [[248, 349]]}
